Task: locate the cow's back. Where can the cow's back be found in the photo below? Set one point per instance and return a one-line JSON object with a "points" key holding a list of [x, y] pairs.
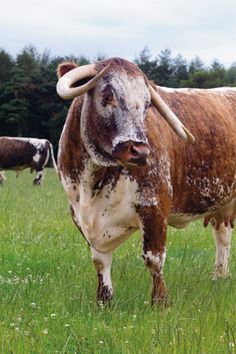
{"points": [[204, 173], [15, 152]]}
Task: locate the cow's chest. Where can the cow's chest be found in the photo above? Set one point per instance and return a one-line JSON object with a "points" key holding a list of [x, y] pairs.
{"points": [[108, 216]]}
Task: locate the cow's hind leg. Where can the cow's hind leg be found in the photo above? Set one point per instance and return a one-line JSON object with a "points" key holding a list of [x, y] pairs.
{"points": [[222, 235], [102, 263]]}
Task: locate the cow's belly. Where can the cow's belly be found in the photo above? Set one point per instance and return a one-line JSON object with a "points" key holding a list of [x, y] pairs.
{"points": [[203, 198], [225, 214], [181, 220], [107, 219]]}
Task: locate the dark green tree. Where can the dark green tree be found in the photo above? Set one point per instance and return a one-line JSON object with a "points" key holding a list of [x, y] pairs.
{"points": [[146, 64], [6, 66], [165, 68], [180, 71], [230, 76]]}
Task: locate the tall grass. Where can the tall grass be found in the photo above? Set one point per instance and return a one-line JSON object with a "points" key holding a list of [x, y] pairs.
{"points": [[48, 285]]}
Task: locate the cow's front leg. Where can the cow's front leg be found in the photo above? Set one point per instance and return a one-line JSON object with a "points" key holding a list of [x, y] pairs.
{"points": [[154, 228], [102, 263], [222, 235]]}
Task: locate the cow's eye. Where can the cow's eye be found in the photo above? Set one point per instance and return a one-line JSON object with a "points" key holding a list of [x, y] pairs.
{"points": [[108, 98]]}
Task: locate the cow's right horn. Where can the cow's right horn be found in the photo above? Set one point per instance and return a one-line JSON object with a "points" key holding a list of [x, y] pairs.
{"points": [[64, 85], [170, 117]]}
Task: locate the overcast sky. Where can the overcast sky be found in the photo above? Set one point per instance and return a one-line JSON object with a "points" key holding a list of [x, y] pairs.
{"points": [[121, 27]]}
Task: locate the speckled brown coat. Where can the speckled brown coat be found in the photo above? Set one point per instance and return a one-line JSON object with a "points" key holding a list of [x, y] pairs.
{"points": [[179, 183]]}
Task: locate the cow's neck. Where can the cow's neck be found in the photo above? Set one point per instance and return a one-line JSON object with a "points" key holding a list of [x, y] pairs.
{"points": [[97, 177]]}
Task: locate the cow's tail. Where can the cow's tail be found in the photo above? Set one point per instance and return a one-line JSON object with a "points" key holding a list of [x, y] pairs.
{"points": [[52, 157]]}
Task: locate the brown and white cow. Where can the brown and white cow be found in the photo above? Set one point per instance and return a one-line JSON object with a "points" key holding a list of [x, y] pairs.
{"points": [[125, 168], [20, 153]]}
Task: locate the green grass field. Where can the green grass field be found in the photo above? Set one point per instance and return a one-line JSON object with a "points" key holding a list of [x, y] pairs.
{"points": [[48, 285]]}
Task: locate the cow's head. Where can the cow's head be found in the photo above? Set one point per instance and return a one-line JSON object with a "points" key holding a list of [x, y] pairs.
{"points": [[114, 110]]}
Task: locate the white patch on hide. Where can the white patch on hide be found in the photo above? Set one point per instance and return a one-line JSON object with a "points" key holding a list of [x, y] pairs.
{"points": [[36, 157], [154, 262], [108, 218], [102, 262]]}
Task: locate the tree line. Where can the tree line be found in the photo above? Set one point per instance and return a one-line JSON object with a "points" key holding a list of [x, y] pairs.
{"points": [[30, 106]]}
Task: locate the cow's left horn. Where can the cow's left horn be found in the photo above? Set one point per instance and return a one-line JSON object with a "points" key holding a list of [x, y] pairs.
{"points": [[64, 85], [170, 117]]}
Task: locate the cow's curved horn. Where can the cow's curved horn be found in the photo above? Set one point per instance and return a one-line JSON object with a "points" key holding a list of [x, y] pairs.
{"points": [[170, 117], [64, 85]]}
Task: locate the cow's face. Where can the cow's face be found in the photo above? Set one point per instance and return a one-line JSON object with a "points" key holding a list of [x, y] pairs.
{"points": [[113, 119], [114, 110]]}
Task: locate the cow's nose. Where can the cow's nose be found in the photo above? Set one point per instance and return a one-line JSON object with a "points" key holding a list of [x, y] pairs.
{"points": [[131, 153]]}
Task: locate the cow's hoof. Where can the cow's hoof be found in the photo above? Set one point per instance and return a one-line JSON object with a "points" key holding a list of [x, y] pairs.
{"points": [[161, 301], [37, 183], [104, 296], [219, 273]]}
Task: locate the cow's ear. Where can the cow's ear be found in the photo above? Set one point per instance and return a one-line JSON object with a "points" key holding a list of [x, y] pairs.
{"points": [[63, 68]]}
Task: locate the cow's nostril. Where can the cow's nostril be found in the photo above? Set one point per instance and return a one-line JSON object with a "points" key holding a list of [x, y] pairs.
{"points": [[134, 151]]}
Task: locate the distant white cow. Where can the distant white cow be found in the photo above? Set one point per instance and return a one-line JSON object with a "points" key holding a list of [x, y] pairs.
{"points": [[20, 153]]}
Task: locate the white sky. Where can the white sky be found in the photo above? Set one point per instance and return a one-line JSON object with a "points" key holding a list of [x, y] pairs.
{"points": [[121, 27]]}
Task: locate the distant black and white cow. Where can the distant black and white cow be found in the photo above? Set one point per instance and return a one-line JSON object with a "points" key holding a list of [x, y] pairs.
{"points": [[20, 153]]}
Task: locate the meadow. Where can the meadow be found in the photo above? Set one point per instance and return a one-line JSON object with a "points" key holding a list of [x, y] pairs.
{"points": [[48, 285]]}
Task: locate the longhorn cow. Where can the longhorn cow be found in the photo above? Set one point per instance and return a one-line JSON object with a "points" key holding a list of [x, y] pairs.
{"points": [[126, 168]]}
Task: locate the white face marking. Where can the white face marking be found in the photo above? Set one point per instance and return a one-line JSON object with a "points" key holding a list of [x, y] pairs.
{"points": [[136, 94], [128, 116]]}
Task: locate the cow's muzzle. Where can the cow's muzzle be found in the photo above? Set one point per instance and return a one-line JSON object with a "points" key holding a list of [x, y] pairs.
{"points": [[131, 154]]}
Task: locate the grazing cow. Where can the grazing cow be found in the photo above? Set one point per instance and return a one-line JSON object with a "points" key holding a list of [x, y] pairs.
{"points": [[20, 153], [125, 168]]}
